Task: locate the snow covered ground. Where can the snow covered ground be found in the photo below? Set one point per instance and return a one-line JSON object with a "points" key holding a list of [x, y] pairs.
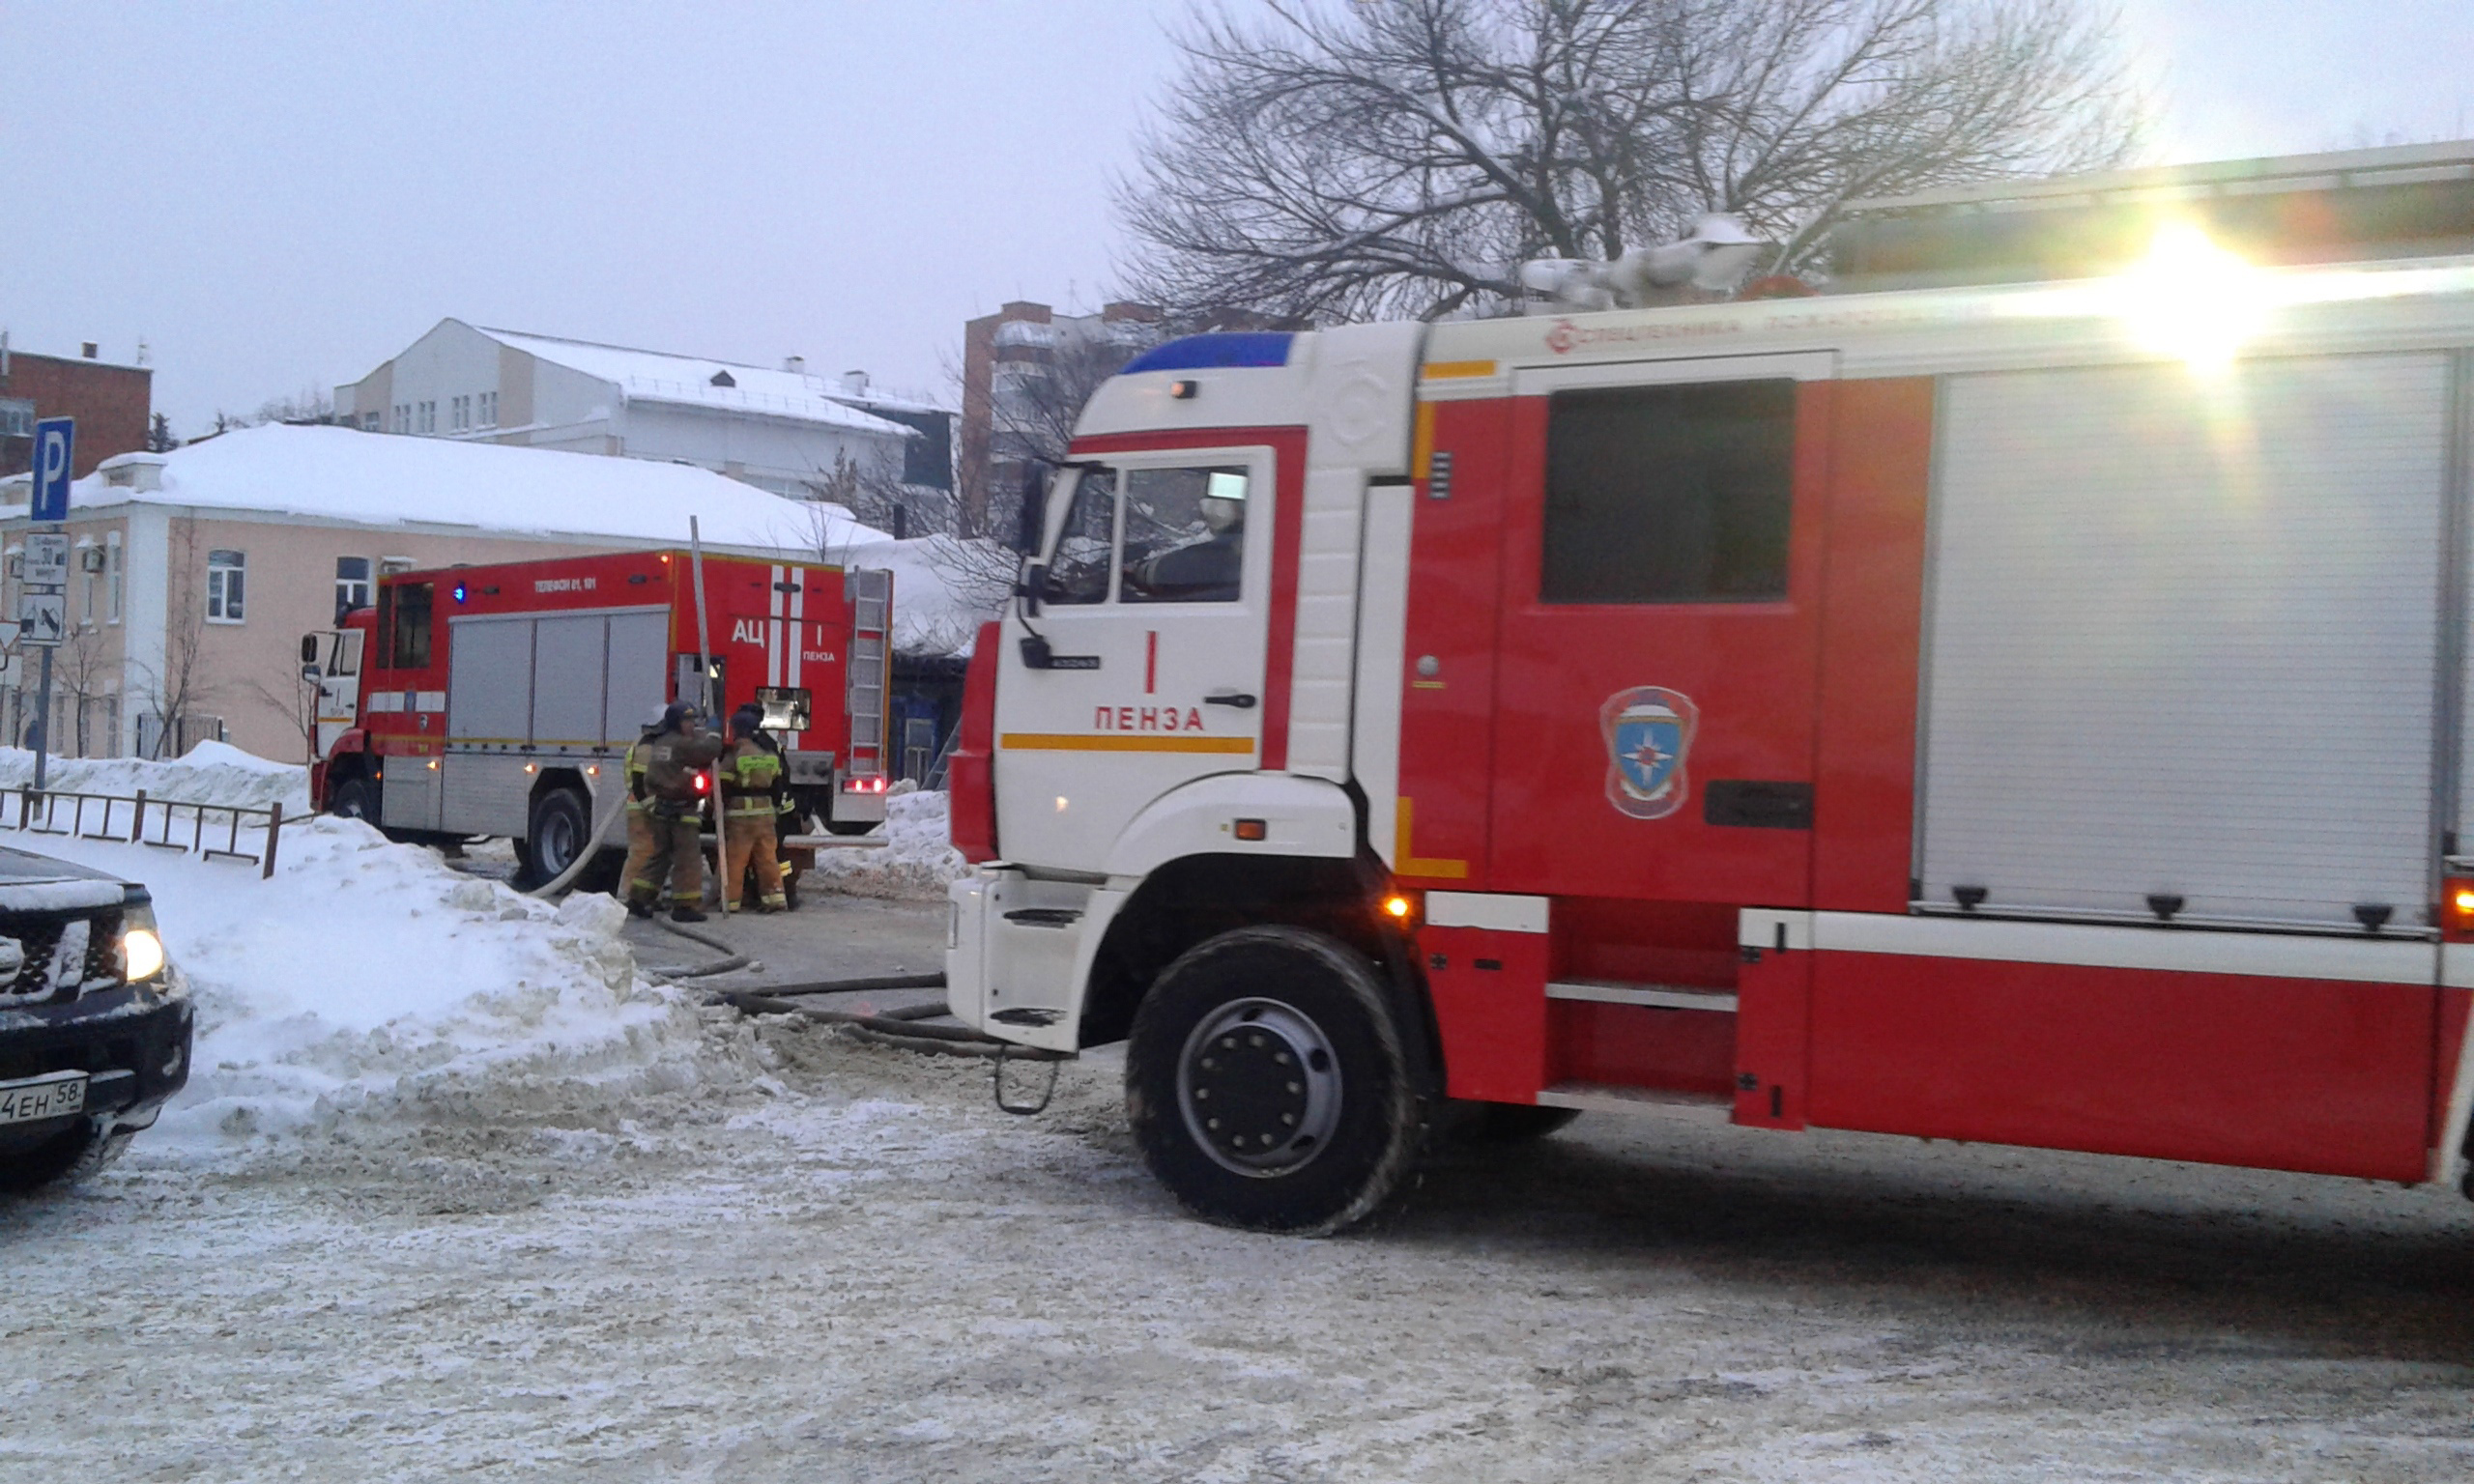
{"points": [[456, 1193], [212, 773], [364, 977]]}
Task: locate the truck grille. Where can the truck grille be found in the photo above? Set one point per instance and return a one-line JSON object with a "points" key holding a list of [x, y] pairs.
{"points": [[64, 952]]}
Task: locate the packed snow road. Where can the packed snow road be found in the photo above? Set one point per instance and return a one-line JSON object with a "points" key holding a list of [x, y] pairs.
{"points": [[853, 1268], [456, 1191]]}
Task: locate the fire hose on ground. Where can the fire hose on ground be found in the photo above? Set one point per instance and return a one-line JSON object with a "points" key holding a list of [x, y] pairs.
{"points": [[902, 1028], [558, 885]]}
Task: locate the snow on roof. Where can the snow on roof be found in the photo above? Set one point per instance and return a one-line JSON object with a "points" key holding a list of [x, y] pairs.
{"points": [[383, 479], [656, 376]]}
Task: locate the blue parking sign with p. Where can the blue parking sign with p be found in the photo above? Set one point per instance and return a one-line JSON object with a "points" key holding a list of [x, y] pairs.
{"points": [[55, 454]]}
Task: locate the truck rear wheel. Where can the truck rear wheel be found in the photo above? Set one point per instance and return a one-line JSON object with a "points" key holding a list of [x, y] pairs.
{"points": [[559, 829], [1267, 1083]]}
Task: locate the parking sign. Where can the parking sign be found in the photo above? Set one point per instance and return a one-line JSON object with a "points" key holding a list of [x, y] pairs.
{"points": [[55, 454]]}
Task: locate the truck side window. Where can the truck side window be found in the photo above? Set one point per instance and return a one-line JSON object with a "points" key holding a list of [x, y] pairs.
{"points": [[1669, 494], [407, 636], [1078, 571], [1185, 535]]}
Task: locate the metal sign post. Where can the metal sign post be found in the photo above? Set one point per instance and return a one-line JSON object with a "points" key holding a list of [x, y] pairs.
{"points": [[42, 613]]}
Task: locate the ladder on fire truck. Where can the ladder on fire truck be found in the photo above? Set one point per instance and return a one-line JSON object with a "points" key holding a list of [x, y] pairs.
{"points": [[871, 602]]}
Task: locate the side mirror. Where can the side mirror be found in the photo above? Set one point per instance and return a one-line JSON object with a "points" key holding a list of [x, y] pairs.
{"points": [[308, 649], [311, 674], [1036, 654], [1027, 588]]}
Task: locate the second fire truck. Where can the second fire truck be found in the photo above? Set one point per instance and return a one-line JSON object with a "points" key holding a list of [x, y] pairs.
{"points": [[499, 700]]}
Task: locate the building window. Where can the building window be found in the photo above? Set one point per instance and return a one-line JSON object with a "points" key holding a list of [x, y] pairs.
{"points": [[90, 566], [459, 414], [17, 418], [116, 575], [352, 585], [429, 417], [225, 574], [1669, 494], [489, 409], [388, 566], [369, 423]]}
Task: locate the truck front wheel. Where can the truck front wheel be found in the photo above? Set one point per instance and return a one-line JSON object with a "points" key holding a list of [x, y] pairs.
{"points": [[354, 798], [1267, 1083]]}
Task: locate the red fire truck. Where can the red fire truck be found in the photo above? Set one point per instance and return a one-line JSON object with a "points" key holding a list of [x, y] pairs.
{"points": [[500, 700], [2032, 714]]}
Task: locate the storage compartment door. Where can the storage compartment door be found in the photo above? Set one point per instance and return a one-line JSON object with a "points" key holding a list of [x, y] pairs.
{"points": [[2182, 641], [489, 682], [635, 682], [568, 704]]}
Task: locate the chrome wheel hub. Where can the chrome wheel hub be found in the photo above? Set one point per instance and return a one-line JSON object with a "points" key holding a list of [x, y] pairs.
{"points": [[1259, 1087]]}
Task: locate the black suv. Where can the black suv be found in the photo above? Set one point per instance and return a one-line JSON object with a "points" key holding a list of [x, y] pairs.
{"points": [[95, 1021]]}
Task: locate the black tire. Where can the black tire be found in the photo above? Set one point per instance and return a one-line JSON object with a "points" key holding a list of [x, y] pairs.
{"points": [[62, 1160], [355, 798], [559, 828], [1509, 1123], [1241, 1014]]}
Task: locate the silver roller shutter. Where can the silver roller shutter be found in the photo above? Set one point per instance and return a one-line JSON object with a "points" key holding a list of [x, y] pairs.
{"points": [[2181, 639], [489, 682]]}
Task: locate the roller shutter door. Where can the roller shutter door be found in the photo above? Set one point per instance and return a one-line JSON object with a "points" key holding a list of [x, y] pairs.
{"points": [[2181, 639]]}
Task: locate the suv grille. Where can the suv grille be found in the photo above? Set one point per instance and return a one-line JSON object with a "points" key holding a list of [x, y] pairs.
{"points": [[48, 976]]}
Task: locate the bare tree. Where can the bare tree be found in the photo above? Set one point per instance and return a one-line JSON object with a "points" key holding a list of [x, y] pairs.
{"points": [[171, 692], [82, 672], [1338, 161]]}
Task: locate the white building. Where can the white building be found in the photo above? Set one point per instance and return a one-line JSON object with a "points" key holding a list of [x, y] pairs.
{"points": [[781, 430]]}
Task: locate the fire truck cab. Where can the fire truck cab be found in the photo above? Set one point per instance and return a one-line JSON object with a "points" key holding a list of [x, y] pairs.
{"points": [[2032, 713]]}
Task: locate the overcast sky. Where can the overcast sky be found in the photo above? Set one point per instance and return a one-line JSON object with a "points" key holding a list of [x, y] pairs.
{"points": [[279, 196]]}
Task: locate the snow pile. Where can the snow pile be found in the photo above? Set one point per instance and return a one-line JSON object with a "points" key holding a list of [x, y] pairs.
{"points": [[212, 773], [368, 979], [918, 859]]}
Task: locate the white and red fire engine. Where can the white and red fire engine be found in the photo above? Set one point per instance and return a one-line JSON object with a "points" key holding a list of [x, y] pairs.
{"points": [[499, 700], [2033, 714]]}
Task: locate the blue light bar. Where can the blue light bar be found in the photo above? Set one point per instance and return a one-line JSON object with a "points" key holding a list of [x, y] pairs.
{"points": [[1207, 352]]}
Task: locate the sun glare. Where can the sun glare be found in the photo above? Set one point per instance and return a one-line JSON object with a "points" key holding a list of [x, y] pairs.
{"points": [[2191, 299]]}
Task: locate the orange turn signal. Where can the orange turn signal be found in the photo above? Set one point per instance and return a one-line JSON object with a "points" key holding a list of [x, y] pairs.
{"points": [[2456, 908], [1252, 829]]}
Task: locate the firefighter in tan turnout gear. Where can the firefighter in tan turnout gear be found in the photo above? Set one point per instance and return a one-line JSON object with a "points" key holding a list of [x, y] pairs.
{"points": [[751, 775], [638, 886], [678, 753]]}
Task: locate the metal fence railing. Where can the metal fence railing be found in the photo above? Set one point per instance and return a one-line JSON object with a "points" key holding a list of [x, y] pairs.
{"points": [[249, 833]]}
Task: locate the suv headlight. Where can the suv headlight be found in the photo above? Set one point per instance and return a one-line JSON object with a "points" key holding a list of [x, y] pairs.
{"points": [[141, 949]]}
